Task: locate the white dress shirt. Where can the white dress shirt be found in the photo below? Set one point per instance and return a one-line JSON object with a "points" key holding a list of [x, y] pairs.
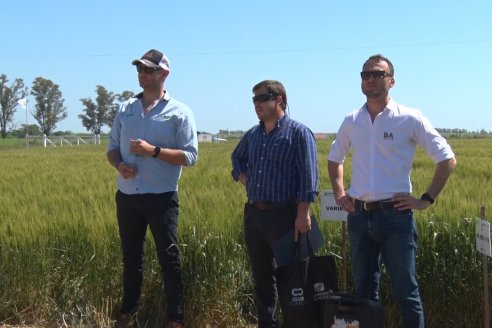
{"points": [[383, 151]]}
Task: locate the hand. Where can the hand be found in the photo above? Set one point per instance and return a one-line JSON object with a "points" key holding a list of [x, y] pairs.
{"points": [[243, 179], [302, 225], [345, 201], [141, 147], [408, 202], [127, 172]]}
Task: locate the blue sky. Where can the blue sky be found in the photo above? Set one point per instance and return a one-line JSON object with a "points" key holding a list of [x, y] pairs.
{"points": [[441, 50]]}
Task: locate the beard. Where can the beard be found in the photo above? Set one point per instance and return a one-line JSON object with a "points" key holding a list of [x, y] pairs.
{"points": [[372, 93]]}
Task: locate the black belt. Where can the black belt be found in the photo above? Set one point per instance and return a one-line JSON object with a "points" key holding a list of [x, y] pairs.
{"points": [[374, 206], [261, 205]]}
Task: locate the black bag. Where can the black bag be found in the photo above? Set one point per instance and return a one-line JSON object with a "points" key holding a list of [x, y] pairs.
{"points": [[304, 287], [348, 310]]}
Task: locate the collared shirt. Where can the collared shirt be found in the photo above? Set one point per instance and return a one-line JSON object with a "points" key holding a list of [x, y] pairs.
{"points": [[383, 151], [281, 165], [169, 124]]}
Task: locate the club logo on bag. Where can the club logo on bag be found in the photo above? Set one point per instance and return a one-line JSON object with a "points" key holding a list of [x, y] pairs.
{"points": [[297, 292], [319, 287], [297, 297]]}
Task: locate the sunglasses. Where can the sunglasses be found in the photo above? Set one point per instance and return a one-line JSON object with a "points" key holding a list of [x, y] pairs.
{"points": [[375, 74], [264, 97], [147, 70]]}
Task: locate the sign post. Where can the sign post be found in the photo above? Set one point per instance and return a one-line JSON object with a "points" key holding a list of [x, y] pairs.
{"points": [[332, 212], [482, 231]]}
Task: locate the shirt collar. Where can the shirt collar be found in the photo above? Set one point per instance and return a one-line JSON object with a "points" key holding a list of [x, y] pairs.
{"points": [[282, 122], [166, 96], [391, 106]]}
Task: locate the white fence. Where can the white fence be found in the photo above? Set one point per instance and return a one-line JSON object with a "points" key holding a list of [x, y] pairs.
{"points": [[60, 141]]}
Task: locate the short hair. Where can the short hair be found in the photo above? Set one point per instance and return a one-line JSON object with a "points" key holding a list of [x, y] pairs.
{"points": [[273, 87], [380, 58]]}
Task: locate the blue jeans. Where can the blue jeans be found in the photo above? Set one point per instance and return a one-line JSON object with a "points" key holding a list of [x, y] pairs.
{"points": [[160, 213], [388, 235]]}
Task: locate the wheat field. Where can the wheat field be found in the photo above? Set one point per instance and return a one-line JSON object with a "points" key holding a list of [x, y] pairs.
{"points": [[60, 261]]}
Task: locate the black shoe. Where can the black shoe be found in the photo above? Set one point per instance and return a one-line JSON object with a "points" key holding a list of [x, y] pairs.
{"points": [[124, 321], [175, 324]]}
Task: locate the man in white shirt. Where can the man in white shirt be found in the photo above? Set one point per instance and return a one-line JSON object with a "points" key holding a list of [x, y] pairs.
{"points": [[383, 136]]}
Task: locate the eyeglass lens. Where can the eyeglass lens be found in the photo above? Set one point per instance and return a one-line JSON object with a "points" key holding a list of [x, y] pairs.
{"points": [[264, 97], [145, 69], [366, 75]]}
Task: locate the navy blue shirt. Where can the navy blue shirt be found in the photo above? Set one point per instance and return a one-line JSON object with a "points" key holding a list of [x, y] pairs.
{"points": [[281, 165]]}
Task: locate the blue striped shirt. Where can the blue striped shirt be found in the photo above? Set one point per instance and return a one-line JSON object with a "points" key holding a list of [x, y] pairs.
{"points": [[281, 165]]}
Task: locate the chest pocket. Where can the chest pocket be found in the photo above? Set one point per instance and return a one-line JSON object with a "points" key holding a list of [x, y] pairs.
{"points": [[280, 152]]}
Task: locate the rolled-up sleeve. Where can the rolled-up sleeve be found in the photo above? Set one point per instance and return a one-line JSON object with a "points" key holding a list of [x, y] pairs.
{"points": [[186, 138], [341, 145], [239, 158], [307, 165], [114, 134], [434, 144]]}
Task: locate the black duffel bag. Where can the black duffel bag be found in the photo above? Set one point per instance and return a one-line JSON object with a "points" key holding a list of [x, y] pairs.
{"points": [[348, 310]]}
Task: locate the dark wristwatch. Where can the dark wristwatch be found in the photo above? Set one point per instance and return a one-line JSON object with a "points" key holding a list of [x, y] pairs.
{"points": [[157, 150], [427, 197]]}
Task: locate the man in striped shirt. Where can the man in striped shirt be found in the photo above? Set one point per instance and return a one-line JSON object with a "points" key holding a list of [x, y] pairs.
{"points": [[276, 161]]}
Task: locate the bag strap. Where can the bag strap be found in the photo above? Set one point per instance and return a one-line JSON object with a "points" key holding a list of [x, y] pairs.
{"points": [[297, 247]]}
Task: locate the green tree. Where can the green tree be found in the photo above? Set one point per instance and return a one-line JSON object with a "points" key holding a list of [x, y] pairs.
{"points": [[120, 97], [33, 130], [96, 114], [9, 95], [49, 108]]}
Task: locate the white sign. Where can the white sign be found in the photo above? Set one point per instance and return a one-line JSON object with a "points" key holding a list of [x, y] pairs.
{"points": [[482, 231], [329, 208]]}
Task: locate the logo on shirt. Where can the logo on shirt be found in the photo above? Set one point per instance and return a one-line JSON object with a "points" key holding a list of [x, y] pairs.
{"points": [[161, 117], [388, 136]]}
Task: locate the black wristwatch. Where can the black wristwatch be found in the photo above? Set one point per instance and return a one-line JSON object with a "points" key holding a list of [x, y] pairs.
{"points": [[427, 197], [157, 151]]}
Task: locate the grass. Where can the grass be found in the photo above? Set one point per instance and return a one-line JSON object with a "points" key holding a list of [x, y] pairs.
{"points": [[60, 258]]}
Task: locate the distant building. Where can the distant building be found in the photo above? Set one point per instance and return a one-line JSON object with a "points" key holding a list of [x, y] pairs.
{"points": [[205, 137], [321, 136]]}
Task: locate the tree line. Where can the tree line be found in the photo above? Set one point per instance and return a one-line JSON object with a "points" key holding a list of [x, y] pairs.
{"points": [[49, 108]]}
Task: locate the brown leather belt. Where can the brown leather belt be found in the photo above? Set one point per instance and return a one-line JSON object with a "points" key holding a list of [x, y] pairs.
{"points": [[261, 205], [374, 206]]}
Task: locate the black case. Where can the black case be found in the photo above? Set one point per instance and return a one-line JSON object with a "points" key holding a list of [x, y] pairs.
{"points": [[352, 309]]}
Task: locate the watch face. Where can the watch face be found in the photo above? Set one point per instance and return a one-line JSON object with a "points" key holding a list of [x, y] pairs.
{"points": [[427, 197]]}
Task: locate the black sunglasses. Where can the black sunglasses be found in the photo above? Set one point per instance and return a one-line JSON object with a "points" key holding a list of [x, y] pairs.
{"points": [[264, 97], [366, 75], [147, 70]]}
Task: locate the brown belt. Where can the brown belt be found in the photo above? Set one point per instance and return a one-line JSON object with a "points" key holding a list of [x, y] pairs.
{"points": [[261, 205], [374, 206]]}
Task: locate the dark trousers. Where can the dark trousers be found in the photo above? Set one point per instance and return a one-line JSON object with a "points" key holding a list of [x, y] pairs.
{"points": [[160, 213], [262, 228]]}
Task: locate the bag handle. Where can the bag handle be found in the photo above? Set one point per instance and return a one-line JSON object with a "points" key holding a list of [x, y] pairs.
{"points": [[297, 247]]}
